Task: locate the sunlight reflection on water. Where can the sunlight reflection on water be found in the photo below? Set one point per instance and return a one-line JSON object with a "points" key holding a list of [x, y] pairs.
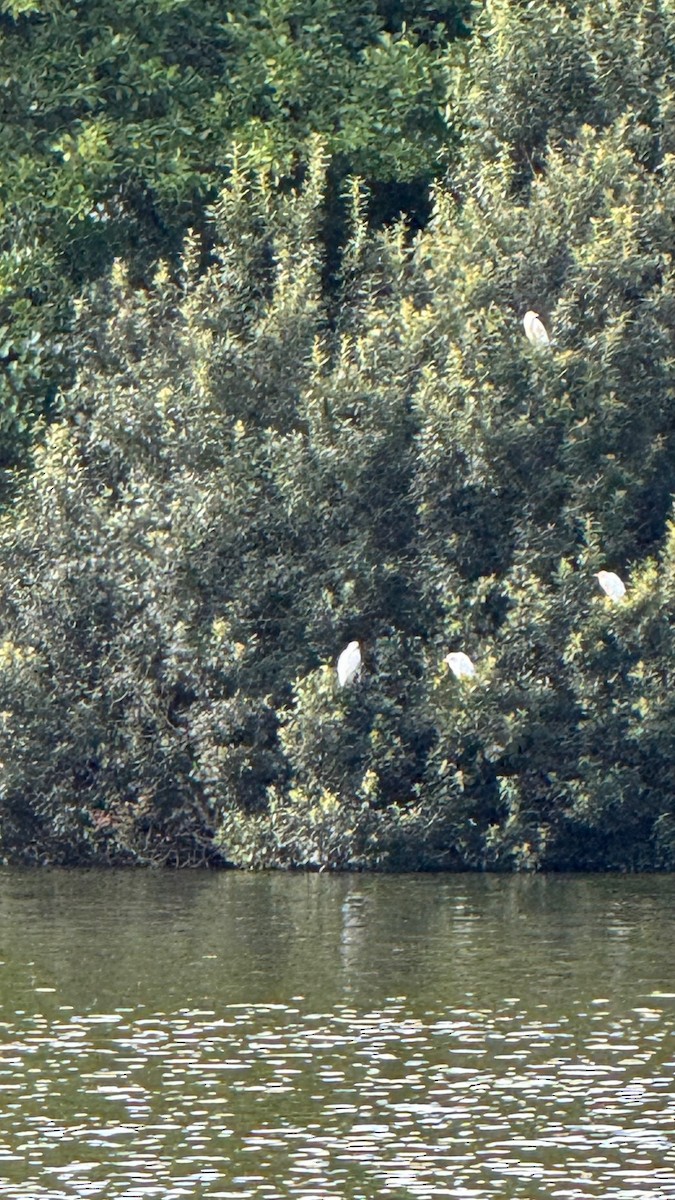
{"points": [[267, 1036]]}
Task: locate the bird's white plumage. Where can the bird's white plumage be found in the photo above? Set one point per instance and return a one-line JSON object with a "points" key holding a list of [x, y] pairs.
{"points": [[460, 664], [611, 585], [349, 664], [534, 329]]}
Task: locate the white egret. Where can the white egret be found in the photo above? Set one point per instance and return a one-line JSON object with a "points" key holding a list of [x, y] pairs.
{"points": [[534, 329], [349, 664], [460, 664], [611, 585]]}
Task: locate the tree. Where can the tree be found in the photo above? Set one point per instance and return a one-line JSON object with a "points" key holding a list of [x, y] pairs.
{"points": [[246, 479], [119, 119]]}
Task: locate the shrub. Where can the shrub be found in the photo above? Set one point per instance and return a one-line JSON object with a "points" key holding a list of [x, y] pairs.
{"points": [[120, 118], [245, 480]]}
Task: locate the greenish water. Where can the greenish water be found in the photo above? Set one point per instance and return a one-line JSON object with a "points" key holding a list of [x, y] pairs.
{"points": [[239, 1036]]}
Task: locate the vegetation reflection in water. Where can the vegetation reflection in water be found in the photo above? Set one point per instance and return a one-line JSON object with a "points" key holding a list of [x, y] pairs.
{"points": [[243, 1037]]}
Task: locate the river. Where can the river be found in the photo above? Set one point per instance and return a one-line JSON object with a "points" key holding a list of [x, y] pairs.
{"points": [[259, 1036]]}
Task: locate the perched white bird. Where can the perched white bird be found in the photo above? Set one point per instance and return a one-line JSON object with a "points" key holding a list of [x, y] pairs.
{"points": [[534, 330], [349, 663], [611, 585], [460, 664]]}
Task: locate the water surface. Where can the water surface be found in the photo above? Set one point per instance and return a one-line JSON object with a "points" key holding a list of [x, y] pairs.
{"points": [[260, 1036]]}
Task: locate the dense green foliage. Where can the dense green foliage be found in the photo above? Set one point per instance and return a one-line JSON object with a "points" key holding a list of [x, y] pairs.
{"points": [[118, 118], [247, 477]]}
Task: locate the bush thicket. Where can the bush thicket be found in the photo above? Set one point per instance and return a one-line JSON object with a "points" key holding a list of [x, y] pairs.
{"points": [[244, 481], [119, 118]]}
